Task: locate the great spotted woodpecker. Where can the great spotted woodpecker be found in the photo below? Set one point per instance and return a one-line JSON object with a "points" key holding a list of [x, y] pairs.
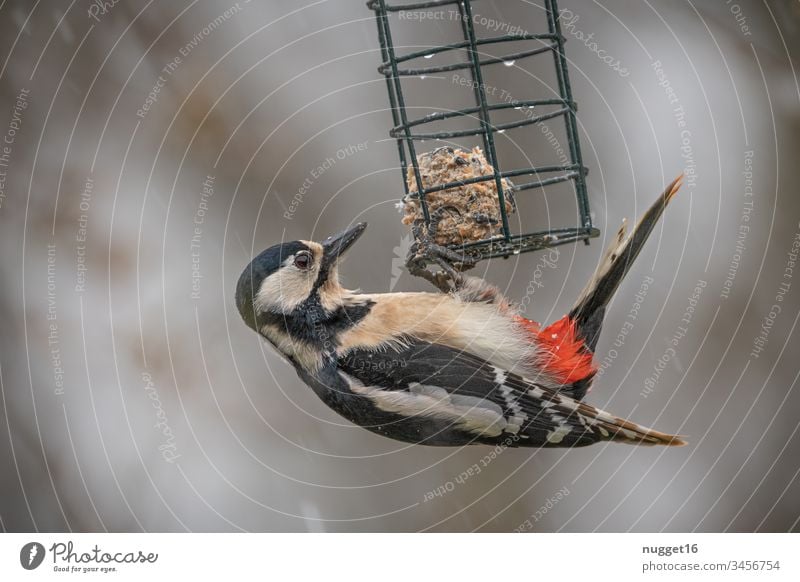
{"points": [[442, 369]]}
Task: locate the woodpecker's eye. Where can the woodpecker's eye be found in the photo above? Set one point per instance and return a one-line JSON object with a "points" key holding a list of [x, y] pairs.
{"points": [[302, 260]]}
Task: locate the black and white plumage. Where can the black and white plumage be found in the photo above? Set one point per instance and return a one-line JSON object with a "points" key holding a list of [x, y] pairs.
{"points": [[426, 368], [454, 398]]}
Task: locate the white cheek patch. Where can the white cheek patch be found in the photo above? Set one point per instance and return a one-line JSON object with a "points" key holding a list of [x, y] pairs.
{"points": [[285, 289]]}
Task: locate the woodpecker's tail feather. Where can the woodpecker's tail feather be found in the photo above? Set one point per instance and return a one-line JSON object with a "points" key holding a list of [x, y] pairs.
{"points": [[574, 423], [624, 431], [590, 308]]}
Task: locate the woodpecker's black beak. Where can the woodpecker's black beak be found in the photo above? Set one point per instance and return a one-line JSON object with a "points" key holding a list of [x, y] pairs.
{"points": [[334, 246]]}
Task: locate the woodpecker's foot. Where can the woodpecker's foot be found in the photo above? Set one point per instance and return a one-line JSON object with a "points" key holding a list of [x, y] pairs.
{"points": [[447, 277], [425, 251], [440, 279]]}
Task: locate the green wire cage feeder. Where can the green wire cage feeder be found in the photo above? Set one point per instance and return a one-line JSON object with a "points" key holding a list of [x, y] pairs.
{"points": [[471, 54]]}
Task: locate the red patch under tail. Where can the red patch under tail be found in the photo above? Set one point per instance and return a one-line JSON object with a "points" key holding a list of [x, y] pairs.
{"points": [[566, 356]]}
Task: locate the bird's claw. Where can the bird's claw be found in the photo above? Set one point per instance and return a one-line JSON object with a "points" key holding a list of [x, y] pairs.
{"points": [[426, 251]]}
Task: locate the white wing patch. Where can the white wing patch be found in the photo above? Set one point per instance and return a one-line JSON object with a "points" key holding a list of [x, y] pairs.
{"points": [[469, 413], [557, 435], [518, 417]]}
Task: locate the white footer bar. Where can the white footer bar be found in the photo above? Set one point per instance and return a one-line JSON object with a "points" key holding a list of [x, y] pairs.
{"points": [[389, 557]]}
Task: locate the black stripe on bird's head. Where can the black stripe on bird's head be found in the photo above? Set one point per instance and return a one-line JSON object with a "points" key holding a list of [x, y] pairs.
{"points": [[289, 276]]}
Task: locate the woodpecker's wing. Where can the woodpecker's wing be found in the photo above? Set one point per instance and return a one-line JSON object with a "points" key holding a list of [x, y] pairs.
{"points": [[465, 395]]}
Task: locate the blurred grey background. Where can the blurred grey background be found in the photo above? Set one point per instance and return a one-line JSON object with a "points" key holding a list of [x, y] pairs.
{"points": [[156, 146]]}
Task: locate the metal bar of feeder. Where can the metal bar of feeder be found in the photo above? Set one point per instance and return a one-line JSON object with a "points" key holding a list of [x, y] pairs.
{"points": [[489, 61], [401, 150], [401, 106], [565, 89], [475, 85], [438, 116], [497, 128], [465, 44], [557, 235], [526, 243], [508, 174], [466, 7], [397, 7], [548, 181]]}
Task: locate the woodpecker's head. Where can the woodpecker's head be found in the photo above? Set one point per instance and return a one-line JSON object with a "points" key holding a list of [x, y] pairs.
{"points": [[289, 277]]}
